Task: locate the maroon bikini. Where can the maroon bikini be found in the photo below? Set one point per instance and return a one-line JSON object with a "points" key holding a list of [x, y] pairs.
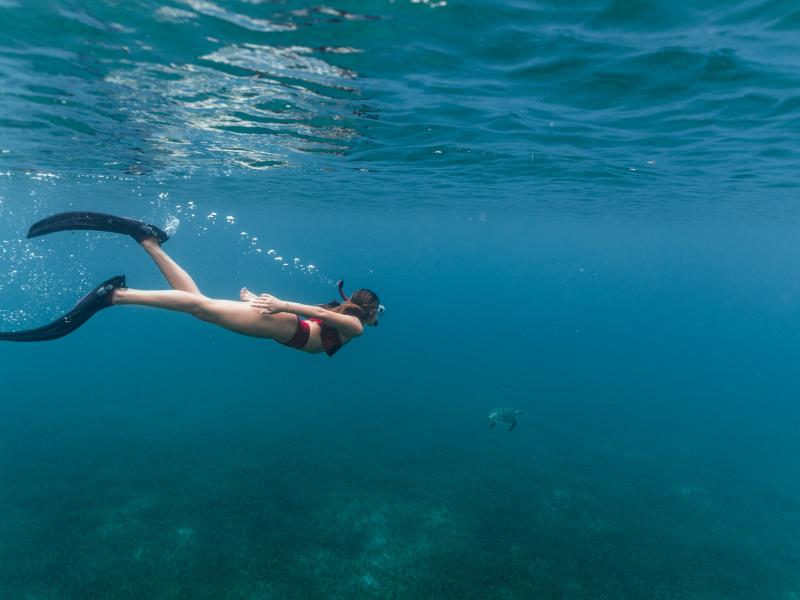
{"points": [[331, 342]]}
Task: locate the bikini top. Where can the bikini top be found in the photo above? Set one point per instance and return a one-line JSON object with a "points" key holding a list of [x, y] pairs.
{"points": [[331, 342]]}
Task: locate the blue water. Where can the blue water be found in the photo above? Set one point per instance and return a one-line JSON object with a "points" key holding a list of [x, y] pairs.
{"points": [[584, 211]]}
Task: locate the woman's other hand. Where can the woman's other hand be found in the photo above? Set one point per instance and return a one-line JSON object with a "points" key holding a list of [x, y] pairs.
{"points": [[269, 305]]}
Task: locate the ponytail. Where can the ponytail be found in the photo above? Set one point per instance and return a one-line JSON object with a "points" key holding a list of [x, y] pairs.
{"points": [[345, 308], [361, 304]]}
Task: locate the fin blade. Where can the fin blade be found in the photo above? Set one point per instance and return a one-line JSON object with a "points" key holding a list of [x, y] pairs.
{"points": [[93, 302], [94, 221]]}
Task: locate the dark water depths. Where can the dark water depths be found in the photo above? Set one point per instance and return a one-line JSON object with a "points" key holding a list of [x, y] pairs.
{"points": [[584, 211]]}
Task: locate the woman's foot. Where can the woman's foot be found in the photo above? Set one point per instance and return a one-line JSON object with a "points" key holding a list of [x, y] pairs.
{"points": [[144, 231], [246, 295]]}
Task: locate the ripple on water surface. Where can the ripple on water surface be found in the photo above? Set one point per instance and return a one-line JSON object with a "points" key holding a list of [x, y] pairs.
{"points": [[597, 96]]}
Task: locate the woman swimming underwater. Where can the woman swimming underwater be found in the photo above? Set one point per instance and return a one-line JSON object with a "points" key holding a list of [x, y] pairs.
{"points": [[327, 327]]}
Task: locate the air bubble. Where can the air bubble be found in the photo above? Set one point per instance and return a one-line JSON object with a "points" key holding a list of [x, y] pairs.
{"points": [[172, 225]]}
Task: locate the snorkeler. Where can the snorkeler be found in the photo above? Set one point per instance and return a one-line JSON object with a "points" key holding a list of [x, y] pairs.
{"points": [[326, 329]]}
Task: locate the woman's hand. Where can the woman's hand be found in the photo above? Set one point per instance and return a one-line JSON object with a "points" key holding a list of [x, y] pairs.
{"points": [[269, 305]]}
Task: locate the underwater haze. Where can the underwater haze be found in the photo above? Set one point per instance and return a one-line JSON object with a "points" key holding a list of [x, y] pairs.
{"points": [[584, 211]]}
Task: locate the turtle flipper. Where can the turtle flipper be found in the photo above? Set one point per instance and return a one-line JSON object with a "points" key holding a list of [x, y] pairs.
{"points": [[513, 424], [492, 424]]}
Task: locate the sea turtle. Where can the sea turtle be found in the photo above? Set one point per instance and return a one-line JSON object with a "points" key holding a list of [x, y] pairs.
{"points": [[503, 415]]}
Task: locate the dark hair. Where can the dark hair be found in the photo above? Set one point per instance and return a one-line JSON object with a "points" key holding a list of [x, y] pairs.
{"points": [[362, 304]]}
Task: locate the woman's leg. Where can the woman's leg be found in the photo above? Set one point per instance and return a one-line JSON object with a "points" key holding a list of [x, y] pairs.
{"points": [[186, 297], [235, 316], [176, 277]]}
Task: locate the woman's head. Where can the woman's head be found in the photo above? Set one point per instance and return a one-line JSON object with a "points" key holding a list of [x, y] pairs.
{"points": [[370, 304], [363, 304]]}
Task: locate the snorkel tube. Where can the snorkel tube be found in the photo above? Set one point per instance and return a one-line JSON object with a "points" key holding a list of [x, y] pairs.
{"points": [[346, 298], [340, 286]]}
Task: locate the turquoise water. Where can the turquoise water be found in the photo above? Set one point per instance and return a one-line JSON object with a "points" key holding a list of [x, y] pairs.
{"points": [[584, 211]]}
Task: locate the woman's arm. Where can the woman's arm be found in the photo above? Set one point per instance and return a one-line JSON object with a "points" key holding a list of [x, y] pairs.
{"points": [[347, 324]]}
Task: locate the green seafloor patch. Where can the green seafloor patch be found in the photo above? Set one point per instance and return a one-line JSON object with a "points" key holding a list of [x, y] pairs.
{"points": [[359, 514]]}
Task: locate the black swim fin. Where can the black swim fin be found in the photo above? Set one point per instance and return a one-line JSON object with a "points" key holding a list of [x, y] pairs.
{"points": [[94, 221], [93, 302]]}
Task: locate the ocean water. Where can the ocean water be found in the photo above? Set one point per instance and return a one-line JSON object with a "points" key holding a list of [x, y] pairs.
{"points": [[586, 211]]}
